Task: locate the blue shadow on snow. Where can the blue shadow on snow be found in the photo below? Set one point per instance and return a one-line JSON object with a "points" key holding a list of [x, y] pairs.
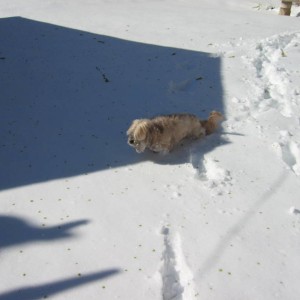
{"points": [[15, 231], [44, 291], [68, 97]]}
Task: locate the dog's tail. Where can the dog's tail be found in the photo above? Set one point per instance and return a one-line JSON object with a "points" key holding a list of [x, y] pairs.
{"points": [[211, 124]]}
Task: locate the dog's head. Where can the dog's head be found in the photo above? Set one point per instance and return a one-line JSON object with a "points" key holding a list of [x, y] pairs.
{"points": [[138, 134]]}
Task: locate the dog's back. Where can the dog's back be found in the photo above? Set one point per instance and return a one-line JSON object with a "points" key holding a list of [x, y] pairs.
{"points": [[179, 126], [189, 125]]}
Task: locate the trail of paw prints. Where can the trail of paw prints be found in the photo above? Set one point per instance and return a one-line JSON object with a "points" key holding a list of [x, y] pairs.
{"points": [[275, 80], [271, 82], [214, 177], [177, 278], [289, 151]]}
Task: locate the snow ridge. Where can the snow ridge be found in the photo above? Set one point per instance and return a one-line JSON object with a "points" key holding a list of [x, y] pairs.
{"points": [[272, 82], [177, 278], [275, 89], [271, 87]]}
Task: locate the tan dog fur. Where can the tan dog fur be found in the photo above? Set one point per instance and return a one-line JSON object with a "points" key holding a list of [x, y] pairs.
{"points": [[163, 133]]}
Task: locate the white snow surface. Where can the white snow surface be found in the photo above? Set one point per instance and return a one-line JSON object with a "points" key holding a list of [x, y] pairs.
{"points": [[82, 216]]}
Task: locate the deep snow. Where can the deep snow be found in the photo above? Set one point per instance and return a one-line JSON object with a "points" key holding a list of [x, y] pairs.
{"points": [[83, 215]]}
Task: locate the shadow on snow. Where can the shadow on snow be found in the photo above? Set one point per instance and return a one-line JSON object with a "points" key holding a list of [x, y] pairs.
{"points": [[68, 97], [14, 231], [49, 289]]}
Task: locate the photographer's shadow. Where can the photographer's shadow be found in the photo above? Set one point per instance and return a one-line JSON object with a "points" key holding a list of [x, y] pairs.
{"points": [[16, 231]]}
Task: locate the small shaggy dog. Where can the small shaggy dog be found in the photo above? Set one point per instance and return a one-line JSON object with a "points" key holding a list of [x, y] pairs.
{"points": [[163, 133]]}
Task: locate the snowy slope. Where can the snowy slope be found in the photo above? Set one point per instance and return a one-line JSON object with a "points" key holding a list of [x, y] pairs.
{"points": [[84, 216]]}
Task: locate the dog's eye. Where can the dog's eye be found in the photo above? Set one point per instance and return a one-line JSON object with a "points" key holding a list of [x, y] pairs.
{"points": [[131, 142]]}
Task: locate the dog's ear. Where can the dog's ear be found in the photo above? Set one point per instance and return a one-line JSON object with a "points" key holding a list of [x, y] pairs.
{"points": [[141, 130], [132, 127]]}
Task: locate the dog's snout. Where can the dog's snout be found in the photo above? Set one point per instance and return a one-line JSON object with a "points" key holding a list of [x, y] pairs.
{"points": [[131, 142]]}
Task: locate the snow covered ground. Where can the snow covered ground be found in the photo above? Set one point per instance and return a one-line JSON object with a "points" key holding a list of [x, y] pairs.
{"points": [[84, 216]]}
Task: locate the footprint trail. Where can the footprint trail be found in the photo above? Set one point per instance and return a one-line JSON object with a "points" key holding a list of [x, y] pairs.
{"points": [[177, 278]]}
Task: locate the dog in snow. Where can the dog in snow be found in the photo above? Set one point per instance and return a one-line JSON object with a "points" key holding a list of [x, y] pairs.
{"points": [[163, 133]]}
